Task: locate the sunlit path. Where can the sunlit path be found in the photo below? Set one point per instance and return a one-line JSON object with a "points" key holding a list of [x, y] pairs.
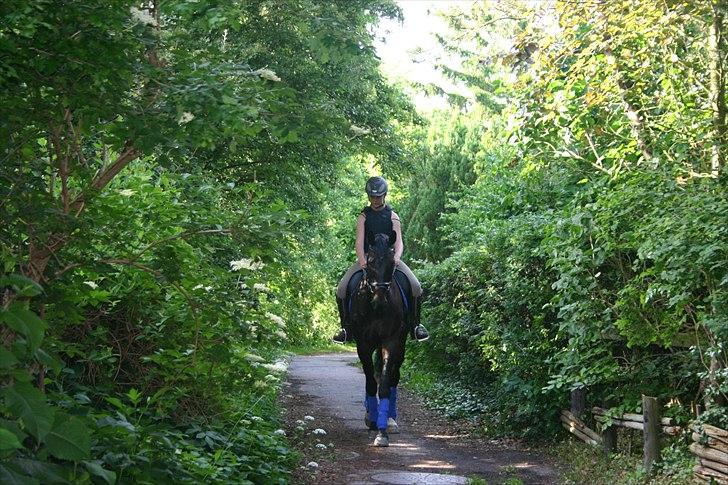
{"points": [[330, 388]]}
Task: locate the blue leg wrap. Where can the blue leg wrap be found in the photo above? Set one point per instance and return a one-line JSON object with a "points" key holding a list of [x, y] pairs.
{"points": [[383, 413], [393, 402], [370, 404]]}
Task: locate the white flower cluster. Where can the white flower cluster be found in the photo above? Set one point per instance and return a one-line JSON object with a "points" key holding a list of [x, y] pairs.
{"points": [[260, 287], [254, 359], [245, 263], [201, 287], [185, 118], [92, 284], [267, 74], [276, 319], [142, 16], [319, 431], [278, 367], [126, 192], [359, 131]]}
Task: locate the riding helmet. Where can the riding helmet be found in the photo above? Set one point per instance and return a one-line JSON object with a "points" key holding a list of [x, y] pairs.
{"points": [[376, 187]]}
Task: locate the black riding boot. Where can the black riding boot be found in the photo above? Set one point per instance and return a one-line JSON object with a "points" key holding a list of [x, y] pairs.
{"points": [[344, 334], [419, 332]]}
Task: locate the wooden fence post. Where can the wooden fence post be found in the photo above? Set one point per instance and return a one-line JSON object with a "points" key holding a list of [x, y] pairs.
{"points": [[652, 430], [578, 402], [609, 440]]}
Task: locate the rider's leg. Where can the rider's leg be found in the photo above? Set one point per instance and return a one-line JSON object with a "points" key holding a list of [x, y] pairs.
{"points": [[345, 332], [419, 332]]}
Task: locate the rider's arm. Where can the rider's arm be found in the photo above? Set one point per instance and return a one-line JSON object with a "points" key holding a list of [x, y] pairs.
{"points": [[360, 256], [398, 244]]}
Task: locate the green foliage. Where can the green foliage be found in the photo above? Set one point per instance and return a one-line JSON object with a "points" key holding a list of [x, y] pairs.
{"points": [[170, 222], [588, 250]]}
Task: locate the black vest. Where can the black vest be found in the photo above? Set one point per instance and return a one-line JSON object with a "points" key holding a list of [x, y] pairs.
{"points": [[378, 222]]}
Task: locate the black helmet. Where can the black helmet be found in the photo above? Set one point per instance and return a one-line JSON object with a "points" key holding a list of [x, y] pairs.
{"points": [[376, 187]]}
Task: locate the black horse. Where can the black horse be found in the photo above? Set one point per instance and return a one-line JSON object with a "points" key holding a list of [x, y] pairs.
{"points": [[378, 316]]}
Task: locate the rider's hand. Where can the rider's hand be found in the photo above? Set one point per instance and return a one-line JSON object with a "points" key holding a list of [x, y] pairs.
{"points": [[396, 261], [363, 264]]}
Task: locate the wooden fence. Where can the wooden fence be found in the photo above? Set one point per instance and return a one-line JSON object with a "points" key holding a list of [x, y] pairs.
{"points": [[710, 444]]}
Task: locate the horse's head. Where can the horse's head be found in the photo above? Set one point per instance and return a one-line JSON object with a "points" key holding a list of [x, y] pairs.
{"points": [[380, 265]]}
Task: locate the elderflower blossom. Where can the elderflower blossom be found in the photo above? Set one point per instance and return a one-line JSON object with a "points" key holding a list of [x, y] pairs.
{"points": [[278, 367], [281, 334], [254, 359], [300, 422], [142, 16], [126, 192], [245, 263], [308, 418], [276, 319], [312, 464], [321, 446], [260, 384], [279, 432], [260, 287], [92, 284], [319, 431], [202, 287], [357, 130], [185, 118], [267, 74]]}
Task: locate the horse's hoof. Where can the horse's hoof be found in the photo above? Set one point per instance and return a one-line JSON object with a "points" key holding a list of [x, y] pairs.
{"points": [[381, 440], [392, 426], [371, 425]]}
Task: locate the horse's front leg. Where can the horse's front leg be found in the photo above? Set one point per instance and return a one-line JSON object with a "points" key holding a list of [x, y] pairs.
{"points": [[397, 358], [384, 394], [370, 398]]}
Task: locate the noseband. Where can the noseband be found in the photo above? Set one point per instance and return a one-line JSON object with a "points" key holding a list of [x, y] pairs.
{"points": [[374, 286]]}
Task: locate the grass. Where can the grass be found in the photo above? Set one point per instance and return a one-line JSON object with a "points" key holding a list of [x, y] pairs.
{"points": [[321, 347], [587, 465]]}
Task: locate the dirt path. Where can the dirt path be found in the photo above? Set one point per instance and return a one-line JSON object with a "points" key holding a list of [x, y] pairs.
{"points": [[429, 450]]}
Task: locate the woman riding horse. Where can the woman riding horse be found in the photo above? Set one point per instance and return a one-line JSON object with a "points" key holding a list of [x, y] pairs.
{"points": [[378, 314], [378, 218]]}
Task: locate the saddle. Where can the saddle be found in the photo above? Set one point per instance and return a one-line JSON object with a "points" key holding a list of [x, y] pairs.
{"points": [[400, 280]]}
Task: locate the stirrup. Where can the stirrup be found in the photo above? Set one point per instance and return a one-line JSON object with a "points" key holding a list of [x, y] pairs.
{"points": [[341, 337], [420, 333]]}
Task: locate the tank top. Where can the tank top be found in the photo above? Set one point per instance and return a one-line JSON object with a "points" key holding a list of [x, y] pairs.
{"points": [[378, 222]]}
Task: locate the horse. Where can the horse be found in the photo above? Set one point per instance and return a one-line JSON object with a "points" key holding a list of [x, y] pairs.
{"points": [[378, 315]]}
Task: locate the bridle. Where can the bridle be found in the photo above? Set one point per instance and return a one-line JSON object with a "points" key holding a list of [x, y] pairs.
{"points": [[374, 286]]}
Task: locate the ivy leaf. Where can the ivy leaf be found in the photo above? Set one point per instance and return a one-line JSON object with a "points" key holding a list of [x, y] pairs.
{"points": [[69, 439], [25, 322], [26, 402], [8, 441]]}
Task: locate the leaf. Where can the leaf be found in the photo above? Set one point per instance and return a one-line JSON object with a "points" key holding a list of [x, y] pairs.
{"points": [[7, 359], [43, 471], [69, 439], [8, 440], [26, 322], [23, 286], [48, 361], [26, 402], [95, 468], [14, 428], [10, 477]]}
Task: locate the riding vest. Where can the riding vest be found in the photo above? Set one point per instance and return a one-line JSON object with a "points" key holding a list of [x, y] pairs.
{"points": [[378, 222]]}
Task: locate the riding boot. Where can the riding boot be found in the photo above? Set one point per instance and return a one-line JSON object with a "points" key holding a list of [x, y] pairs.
{"points": [[344, 334], [418, 332]]}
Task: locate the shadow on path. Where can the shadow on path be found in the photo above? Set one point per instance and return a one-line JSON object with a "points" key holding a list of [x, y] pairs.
{"points": [[330, 388]]}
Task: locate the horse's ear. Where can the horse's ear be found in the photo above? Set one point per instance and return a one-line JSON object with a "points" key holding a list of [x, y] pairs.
{"points": [[370, 238], [392, 238]]}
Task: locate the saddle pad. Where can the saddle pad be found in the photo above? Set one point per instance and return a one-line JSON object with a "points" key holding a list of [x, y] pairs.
{"points": [[399, 277]]}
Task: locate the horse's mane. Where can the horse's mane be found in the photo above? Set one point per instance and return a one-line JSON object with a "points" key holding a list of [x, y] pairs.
{"points": [[381, 243]]}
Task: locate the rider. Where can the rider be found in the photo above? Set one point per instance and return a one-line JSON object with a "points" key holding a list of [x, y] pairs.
{"points": [[379, 217]]}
